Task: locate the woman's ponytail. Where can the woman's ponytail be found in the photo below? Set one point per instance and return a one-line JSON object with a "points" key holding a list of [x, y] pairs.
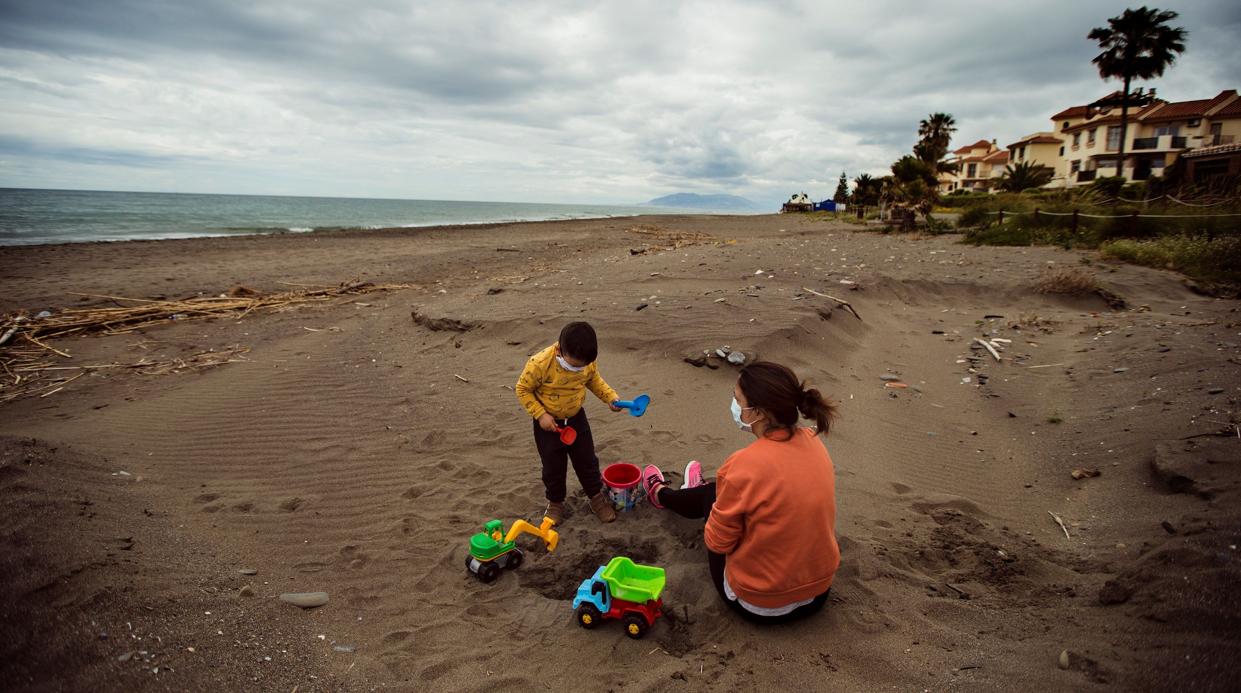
{"points": [[814, 407]]}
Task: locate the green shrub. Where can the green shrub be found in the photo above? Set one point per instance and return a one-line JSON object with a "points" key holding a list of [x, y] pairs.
{"points": [[974, 216], [1214, 259], [1108, 187]]}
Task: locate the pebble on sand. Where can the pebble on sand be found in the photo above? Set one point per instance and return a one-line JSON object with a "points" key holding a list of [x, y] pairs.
{"points": [[306, 600], [1064, 659], [248, 571], [245, 591]]}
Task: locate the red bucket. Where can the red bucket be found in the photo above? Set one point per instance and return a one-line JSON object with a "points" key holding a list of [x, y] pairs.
{"points": [[622, 481]]}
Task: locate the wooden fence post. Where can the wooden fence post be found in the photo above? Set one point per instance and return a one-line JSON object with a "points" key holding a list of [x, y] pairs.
{"points": [[1001, 221], [1075, 222]]}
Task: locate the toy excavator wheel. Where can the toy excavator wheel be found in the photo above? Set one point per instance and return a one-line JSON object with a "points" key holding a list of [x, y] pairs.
{"points": [[588, 616], [469, 562], [488, 571], [514, 559], [635, 626]]}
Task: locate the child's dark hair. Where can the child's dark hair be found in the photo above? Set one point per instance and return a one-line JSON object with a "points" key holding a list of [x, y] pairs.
{"points": [[776, 390], [578, 340]]}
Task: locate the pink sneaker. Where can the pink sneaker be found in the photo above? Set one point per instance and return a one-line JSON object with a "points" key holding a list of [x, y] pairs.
{"points": [[652, 480], [693, 475]]}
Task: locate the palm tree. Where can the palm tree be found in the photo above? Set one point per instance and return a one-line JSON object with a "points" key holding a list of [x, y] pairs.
{"points": [[1138, 44], [1024, 176], [865, 190], [934, 134]]}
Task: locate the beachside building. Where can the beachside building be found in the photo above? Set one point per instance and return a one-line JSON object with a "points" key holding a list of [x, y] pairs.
{"points": [[979, 168], [1157, 135], [1041, 149]]}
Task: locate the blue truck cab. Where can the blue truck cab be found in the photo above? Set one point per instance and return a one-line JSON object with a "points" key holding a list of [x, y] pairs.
{"points": [[594, 591]]}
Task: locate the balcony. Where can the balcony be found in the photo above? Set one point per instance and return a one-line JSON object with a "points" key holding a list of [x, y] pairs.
{"points": [[1215, 140], [1086, 176], [1159, 143]]}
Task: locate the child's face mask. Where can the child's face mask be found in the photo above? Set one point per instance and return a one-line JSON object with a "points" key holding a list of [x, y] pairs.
{"points": [[567, 366]]}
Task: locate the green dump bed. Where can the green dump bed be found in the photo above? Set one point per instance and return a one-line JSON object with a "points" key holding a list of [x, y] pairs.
{"points": [[632, 582]]}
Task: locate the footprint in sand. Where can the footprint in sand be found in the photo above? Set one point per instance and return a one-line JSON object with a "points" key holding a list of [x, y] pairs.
{"points": [[353, 558], [398, 640], [292, 504], [206, 497], [243, 507]]}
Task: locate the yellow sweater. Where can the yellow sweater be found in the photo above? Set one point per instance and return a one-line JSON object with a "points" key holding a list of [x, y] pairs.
{"points": [[546, 388]]}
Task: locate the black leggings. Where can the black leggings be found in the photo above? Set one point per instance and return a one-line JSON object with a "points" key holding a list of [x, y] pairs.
{"points": [[556, 456], [695, 503]]}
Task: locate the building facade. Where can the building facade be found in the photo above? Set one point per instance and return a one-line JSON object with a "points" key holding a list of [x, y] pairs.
{"points": [[979, 167], [1156, 136], [1041, 149]]}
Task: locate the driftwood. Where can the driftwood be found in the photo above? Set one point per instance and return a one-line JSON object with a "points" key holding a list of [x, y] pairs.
{"points": [[990, 349], [847, 306], [1061, 523], [28, 372]]}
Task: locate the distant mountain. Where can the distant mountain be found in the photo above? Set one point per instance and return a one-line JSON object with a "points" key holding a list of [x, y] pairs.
{"points": [[723, 203]]}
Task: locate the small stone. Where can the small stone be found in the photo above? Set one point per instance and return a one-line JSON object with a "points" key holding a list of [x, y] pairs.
{"points": [[1085, 473], [1215, 391], [1119, 370], [245, 591], [125, 657], [344, 648], [889, 378], [1114, 592], [1167, 527], [736, 358], [306, 600], [248, 571], [641, 306], [696, 361], [1064, 659]]}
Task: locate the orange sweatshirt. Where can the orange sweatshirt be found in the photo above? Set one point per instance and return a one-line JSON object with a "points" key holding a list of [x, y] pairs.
{"points": [[775, 518]]}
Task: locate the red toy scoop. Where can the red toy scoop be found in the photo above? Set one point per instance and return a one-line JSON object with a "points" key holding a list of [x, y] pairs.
{"points": [[567, 434]]}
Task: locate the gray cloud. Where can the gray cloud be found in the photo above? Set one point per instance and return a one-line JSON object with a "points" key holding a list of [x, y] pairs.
{"points": [[545, 101]]}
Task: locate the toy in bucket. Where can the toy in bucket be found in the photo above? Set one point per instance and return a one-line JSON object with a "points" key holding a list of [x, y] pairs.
{"points": [[622, 482], [636, 406]]}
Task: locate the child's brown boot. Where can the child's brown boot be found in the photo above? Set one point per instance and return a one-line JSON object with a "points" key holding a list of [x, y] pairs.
{"points": [[555, 511], [602, 506]]}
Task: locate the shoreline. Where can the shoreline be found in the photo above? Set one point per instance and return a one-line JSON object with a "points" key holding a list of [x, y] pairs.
{"points": [[350, 448]]}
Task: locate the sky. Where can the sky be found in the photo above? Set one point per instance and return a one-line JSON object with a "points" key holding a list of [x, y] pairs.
{"points": [[540, 101]]}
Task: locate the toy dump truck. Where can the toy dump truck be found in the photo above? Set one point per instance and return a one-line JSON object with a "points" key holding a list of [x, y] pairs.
{"points": [[621, 589], [491, 550]]}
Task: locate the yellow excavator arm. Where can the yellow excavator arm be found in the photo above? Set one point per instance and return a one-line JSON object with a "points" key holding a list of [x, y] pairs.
{"points": [[544, 531]]}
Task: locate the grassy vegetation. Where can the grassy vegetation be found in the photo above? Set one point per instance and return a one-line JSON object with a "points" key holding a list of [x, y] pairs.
{"points": [[1165, 235], [1211, 259]]}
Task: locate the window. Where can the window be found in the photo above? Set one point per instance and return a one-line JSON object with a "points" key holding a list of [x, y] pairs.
{"points": [[973, 171], [1194, 123], [1113, 137], [1021, 154], [1077, 139], [1062, 150], [1065, 126], [1169, 129], [1075, 166], [1090, 137], [1157, 162]]}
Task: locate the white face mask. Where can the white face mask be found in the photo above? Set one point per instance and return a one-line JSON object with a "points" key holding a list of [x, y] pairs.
{"points": [[737, 409], [565, 365]]}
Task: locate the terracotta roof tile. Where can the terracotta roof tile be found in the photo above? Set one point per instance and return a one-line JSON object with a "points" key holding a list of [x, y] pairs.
{"points": [[997, 157], [980, 144], [1232, 110]]}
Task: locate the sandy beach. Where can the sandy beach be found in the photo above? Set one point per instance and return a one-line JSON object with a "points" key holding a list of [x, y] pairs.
{"points": [[353, 449]]}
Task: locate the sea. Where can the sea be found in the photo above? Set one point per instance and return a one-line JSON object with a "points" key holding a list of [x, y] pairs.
{"points": [[79, 216]]}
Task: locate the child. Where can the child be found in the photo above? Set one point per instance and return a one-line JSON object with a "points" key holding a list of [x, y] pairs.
{"points": [[552, 388]]}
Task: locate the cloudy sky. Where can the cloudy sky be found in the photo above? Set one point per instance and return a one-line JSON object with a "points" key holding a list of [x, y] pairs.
{"points": [[607, 102]]}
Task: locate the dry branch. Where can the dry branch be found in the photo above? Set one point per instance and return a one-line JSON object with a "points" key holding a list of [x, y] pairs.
{"points": [[848, 306]]}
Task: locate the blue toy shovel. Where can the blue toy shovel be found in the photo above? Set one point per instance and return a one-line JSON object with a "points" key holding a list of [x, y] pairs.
{"points": [[636, 407]]}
